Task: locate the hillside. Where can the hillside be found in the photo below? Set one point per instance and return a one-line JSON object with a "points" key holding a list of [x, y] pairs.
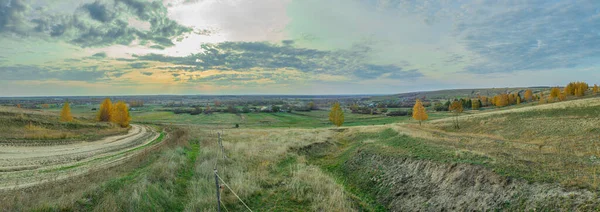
{"points": [[42, 127], [456, 93]]}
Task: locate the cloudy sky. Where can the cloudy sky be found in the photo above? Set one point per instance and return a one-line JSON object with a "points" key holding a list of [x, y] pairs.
{"points": [[129, 47]]}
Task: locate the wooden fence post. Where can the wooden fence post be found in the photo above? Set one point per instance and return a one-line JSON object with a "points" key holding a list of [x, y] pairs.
{"points": [[218, 192]]}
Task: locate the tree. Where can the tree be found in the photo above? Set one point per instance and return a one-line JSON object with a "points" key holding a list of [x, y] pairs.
{"points": [[475, 104], [275, 108], [18, 105], [354, 107], [578, 91], [576, 88], [511, 99], [120, 114], [419, 112], [336, 116], [554, 92], [438, 106], [543, 100], [217, 103], [311, 106], [562, 97], [528, 95], [518, 100], [104, 114], [456, 108], [208, 110], [596, 89], [245, 109], [501, 100], [65, 114]]}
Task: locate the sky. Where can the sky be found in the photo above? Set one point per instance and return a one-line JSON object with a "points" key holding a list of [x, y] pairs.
{"points": [[216, 47]]}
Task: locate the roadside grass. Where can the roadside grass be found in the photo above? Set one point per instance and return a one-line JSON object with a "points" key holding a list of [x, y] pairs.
{"points": [[262, 168]]}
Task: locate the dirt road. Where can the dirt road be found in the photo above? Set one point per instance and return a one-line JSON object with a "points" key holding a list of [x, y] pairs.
{"points": [[22, 166]]}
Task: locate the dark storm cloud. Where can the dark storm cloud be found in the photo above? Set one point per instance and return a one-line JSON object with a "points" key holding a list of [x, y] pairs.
{"points": [[248, 55], [99, 23], [24, 72]]}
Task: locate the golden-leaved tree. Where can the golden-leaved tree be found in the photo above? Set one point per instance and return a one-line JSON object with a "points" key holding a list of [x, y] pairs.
{"points": [[457, 108], [419, 112], [554, 92], [120, 114], [336, 116], [501, 100], [576, 88], [105, 111], [528, 95], [596, 89], [562, 97], [65, 113]]}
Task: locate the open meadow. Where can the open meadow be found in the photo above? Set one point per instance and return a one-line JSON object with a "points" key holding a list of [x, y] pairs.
{"points": [[528, 156]]}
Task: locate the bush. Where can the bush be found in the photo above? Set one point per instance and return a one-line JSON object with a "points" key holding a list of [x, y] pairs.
{"points": [[398, 113], [196, 111]]}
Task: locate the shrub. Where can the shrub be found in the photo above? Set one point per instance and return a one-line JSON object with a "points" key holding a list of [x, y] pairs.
{"points": [[398, 113]]}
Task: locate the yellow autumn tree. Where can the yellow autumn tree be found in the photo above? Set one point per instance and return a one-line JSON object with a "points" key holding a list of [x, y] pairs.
{"points": [[511, 99], [543, 100], [562, 97], [596, 89], [528, 95], [120, 114], [336, 116], [501, 100], [104, 114], [579, 91], [419, 112], [576, 88], [457, 108], [555, 92], [65, 113]]}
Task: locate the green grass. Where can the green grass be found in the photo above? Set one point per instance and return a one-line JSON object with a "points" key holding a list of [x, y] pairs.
{"points": [[158, 186], [313, 119]]}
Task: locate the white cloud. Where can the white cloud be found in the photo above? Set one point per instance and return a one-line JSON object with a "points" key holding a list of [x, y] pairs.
{"points": [[235, 20]]}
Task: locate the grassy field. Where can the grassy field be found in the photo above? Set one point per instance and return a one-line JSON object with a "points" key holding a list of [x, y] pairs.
{"points": [[298, 161], [313, 119]]}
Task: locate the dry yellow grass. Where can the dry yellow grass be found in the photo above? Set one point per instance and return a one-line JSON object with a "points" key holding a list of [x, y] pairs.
{"points": [[262, 168]]}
